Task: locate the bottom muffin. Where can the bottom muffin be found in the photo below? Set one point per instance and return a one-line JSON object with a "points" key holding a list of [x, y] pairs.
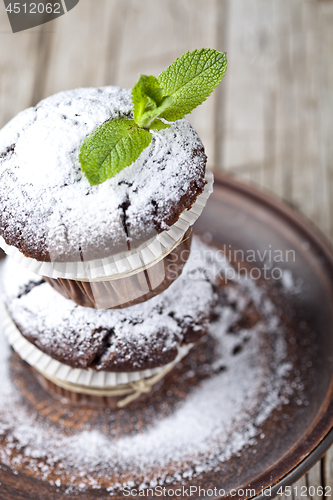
{"points": [[113, 389], [140, 337]]}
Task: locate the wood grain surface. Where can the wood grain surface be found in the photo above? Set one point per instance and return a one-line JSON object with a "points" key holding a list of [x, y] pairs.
{"points": [[269, 123]]}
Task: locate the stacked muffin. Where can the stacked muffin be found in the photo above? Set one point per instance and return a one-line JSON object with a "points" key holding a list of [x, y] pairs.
{"points": [[126, 301]]}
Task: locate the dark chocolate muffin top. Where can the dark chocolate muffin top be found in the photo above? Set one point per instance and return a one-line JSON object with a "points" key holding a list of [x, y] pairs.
{"points": [[136, 338], [49, 211]]}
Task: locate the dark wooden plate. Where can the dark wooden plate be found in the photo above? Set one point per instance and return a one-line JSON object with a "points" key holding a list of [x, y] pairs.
{"points": [[243, 217], [240, 218]]}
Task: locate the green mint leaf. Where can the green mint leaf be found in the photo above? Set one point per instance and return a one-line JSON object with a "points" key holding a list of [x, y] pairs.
{"points": [[158, 125], [149, 100], [114, 145], [190, 80]]}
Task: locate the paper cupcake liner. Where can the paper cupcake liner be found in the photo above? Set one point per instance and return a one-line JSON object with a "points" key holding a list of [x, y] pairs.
{"points": [[115, 395], [131, 290], [88, 378], [124, 263]]}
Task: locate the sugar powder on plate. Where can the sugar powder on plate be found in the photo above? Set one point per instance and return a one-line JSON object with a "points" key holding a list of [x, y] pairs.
{"points": [[219, 417]]}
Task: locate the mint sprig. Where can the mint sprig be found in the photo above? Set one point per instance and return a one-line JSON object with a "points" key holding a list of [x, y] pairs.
{"points": [[180, 88]]}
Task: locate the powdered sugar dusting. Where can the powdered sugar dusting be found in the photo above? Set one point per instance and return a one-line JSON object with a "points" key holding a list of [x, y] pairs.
{"points": [[248, 380], [48, 203]]}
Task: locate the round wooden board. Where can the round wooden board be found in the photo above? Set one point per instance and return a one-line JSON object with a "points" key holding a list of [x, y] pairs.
{"points": [[236, 217]]}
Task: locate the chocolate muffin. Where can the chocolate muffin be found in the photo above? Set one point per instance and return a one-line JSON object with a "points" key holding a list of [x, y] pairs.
{"points": [[140, 337], [48, 209]]}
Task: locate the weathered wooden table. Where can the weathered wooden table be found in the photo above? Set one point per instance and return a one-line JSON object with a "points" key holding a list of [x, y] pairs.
{"points": [[271, 120]]}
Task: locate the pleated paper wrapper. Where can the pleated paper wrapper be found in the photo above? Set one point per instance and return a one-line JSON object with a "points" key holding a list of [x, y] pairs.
{"points": [[125, 263], [84, 377]]}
